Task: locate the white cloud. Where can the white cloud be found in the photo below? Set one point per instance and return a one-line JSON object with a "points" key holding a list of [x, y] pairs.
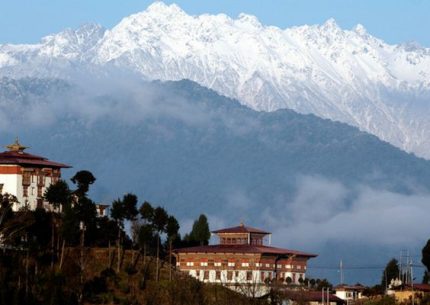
{"points": [[325, 211]]}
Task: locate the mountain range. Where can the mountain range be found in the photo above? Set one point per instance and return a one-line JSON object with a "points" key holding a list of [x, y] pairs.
{"points": [[343, 75], [240, 121]]}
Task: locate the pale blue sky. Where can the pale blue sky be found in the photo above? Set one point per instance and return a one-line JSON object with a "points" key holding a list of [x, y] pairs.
{"points": [[395, 21]]}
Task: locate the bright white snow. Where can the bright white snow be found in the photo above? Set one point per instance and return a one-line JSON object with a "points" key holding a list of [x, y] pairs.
{"points": [[344, 75]]}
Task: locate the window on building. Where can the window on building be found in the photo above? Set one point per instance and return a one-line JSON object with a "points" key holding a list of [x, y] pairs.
{"points": [[217, 264], [217, 275], [245, 264], [231, 264], [249, 275], [229, 275], [268, 265], [26, 176], [39, 191], [203, 264], [206, 275], [40, 180]]}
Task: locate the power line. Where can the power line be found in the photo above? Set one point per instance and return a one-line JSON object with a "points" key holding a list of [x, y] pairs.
{"points": [[356, 267]]}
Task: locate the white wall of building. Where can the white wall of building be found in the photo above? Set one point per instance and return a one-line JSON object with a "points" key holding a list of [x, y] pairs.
{"points": [[12, 184]]}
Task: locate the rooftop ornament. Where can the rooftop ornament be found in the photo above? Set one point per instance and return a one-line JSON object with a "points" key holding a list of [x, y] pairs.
{"points": [[16, 146]]}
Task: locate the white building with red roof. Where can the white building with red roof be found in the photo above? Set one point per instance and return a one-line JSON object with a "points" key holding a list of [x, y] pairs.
{"points": [[242, 259], [27, 176]]}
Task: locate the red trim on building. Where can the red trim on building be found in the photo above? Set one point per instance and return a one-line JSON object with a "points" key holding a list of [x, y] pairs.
{"points": [[241, 229], [10, 170], [243, 249], [25, 159]]}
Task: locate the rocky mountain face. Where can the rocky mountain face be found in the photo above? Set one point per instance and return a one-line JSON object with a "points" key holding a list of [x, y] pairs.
{"points": [[343, 75]]}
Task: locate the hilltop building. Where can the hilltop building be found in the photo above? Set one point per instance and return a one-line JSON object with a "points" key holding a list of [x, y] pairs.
{"points": [[349, 293], [27, 176], [297, 297], [241, 259]]}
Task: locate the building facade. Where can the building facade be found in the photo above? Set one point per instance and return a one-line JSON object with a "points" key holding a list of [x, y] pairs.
{"points": [[27, 176], [241, 258], [349, 293]]}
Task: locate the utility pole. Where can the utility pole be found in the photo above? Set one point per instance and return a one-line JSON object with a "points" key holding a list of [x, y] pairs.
{"points": [[341, 271], [412, 281]]}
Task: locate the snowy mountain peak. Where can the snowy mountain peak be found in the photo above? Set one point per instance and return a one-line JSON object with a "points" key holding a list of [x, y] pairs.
{"points": [[160, 8], [72, 43], [331, 24], [249, 20], [360, 30], [343, 75]]}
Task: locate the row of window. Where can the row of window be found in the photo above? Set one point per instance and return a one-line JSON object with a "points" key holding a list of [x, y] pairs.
{"points": [[230, 275], [248, 275], [233, 264], [241, 241]]}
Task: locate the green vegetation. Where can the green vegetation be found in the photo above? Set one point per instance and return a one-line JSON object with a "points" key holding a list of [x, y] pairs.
{"points": [[200, 234], [426, 262], [66, 256], [391, 272]]}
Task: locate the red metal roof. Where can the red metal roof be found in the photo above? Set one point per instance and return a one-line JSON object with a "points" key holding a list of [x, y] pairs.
{"points": [[23, 158], [349, 287], [420, 287], [243, 249], [311, 296], [241, 229]]}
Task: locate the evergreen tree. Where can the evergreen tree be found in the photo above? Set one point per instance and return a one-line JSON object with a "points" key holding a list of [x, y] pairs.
{"points": [[83, 179], [391, 272], [146, 212], [159, 222], [58, 194], [426, 277], [121, 210], [200, 231], [145, 234], [426, 256]]}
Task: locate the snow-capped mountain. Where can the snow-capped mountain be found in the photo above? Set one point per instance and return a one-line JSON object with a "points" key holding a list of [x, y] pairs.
{"points": [[344, 75]]}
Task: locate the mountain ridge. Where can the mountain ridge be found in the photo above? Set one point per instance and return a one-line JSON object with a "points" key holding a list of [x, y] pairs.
{"points": [[183, 146], [342, 75]]}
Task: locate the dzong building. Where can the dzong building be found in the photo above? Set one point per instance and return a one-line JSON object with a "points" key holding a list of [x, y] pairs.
{"points": [[242, 259], [27, 176]]}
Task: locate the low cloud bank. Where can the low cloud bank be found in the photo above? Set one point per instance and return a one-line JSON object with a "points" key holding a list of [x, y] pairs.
{"points": [[324, 211]]}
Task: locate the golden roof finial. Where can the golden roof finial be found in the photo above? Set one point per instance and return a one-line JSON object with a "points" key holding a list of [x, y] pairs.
{"points": [[16, 146], [241, 224]]}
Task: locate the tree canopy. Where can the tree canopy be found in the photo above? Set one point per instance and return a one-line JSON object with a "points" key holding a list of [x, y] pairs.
{"points": [[83, 179], [200, 232], [391, 272], [58, 194], [426, 260]]}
